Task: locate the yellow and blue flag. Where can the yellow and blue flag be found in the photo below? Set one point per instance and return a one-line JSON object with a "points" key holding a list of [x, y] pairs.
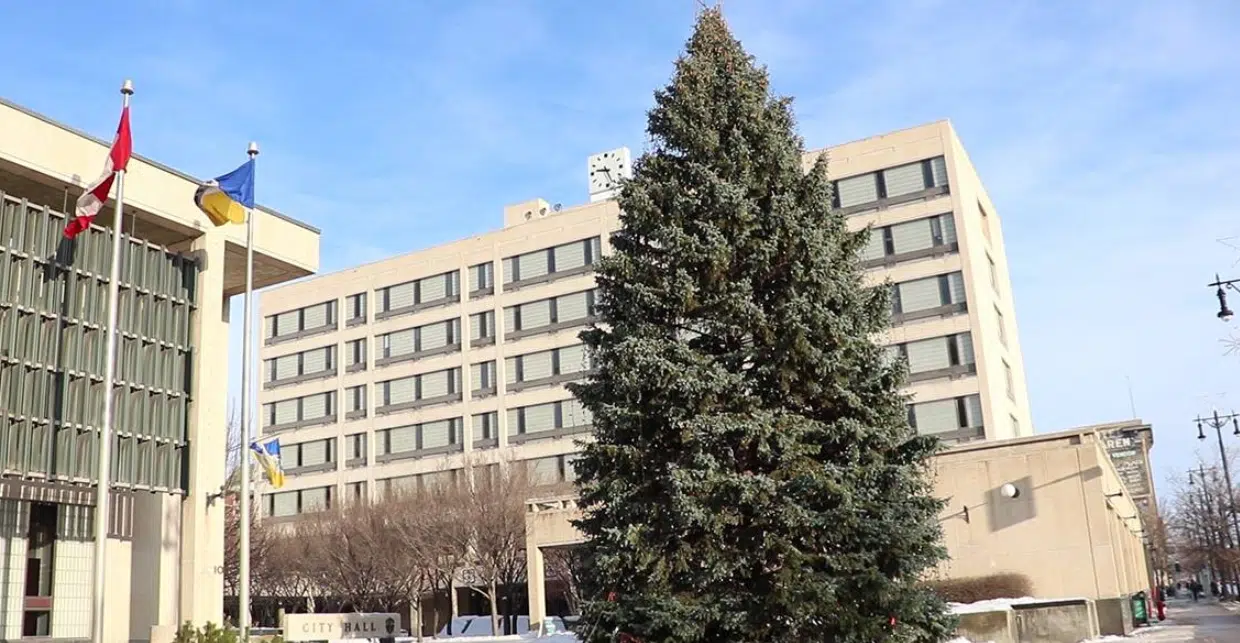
{"points": [[225, 199], [268, 456]]}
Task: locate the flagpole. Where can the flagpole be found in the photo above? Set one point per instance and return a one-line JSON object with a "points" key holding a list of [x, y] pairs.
{"points": [[243, 586], [104, 483]]}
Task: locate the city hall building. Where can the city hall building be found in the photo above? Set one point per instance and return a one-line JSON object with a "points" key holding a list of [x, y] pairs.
{"points": [[394, 374], [165, 551]]}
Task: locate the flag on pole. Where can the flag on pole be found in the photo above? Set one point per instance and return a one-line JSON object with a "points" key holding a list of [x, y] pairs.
{"points": [[225, 199], [268, 456], [91, 201]]}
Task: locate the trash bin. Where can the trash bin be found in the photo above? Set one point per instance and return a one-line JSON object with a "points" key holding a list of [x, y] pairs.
{"points": [[1140, 613]]}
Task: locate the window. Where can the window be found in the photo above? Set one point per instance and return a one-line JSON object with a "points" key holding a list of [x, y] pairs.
{"points": [[355, 355], [316, 454], [892, 186], [550, 314], [547, 367], [1002, 326], [481, 280], [355, 449], [486, 429], [420, 482], [928, 297], [482, 378], [438, 337], [355, 402], [1015, 426], [418, 390], [292, 503], [548, 420], [318, 362], [301, 322], [542, 265], [911, 240], [482, 328], [426, 292], [355, 309], [994, 274], [1008, 381], [958, 418], [939, 357], [556, 470], [418, 439], [318, 408]]}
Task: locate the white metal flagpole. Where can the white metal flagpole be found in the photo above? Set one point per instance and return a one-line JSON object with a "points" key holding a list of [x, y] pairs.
{"points": [[104, 483], [243, 571]]}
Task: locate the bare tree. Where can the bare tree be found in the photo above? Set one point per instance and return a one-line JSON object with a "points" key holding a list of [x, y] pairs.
{"points": [[354, 554], [494, 511], [261, 541], [1200, 527], [564, 565]]}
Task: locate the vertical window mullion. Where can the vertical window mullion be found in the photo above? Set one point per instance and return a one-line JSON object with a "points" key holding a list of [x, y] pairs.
{"points": [[889, 242], [945, 290]]}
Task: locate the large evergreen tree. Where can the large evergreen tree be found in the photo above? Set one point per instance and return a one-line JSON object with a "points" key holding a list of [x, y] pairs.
{"points": [[754, 476]]}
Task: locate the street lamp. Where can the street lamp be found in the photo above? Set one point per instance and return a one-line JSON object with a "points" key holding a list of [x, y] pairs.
{"points": [[1217, 423], [1224, 313]]}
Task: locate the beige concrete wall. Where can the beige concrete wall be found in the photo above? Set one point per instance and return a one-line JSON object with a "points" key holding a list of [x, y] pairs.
{"points": [[521, 236], [534, 225], [980, 239], [1070, 530]]}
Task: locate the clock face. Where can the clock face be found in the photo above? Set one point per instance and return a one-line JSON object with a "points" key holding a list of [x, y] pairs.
{"points": [[606, 170]]}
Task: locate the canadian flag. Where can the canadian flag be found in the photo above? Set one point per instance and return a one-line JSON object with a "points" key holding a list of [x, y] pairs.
{"points": [[91, 201]]}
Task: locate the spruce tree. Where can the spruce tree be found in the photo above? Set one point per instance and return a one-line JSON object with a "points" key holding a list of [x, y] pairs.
{"points": [[753, 477]]}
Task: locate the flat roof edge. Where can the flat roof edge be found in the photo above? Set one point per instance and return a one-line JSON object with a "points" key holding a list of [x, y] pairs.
{"points": [[153, 163]]}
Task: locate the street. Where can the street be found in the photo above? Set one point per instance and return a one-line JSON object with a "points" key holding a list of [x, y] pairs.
{"points": [[1187, 622]]}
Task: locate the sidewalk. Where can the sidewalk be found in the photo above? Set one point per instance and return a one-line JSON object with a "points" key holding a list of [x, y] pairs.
{"points": [[1206, 621]]}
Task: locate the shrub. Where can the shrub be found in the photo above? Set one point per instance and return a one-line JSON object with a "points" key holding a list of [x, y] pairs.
{"points": [[982, 588], [210, 633]]}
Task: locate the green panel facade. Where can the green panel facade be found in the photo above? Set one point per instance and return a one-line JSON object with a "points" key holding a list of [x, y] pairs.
{"points": [[53, 311]]}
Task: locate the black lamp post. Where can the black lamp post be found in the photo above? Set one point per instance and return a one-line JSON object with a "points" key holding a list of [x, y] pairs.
{"points": [[1220, 286], [1217, 422]]}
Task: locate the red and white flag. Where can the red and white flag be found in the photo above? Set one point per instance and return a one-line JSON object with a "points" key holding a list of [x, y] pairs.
{"points": [[91, 201]]}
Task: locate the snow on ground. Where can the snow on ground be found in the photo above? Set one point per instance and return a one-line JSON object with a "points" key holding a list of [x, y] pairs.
{"points": [[1000, 604]]}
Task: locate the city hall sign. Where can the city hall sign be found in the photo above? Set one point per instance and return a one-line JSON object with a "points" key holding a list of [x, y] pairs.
{"points": [[330, 627]]}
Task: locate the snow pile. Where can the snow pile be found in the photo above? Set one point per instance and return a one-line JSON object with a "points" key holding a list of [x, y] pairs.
{"points": [[1001, 604]]}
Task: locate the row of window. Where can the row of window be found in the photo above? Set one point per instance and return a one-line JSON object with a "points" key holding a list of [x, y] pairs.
{"points": [[910, 240], [900, 184], [540, 473], [953, 419], [436, 290], [938, 295], [951, 355], [544, 315], [532, 422], [541, 368]]}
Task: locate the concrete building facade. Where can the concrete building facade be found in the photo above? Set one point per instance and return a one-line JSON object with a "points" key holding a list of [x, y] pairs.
{"points": [[165, 551], [399, 372], [1065, 523]]}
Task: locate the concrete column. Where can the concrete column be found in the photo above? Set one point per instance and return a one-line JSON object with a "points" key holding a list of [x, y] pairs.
{"points": [[202, 522], [537, 574], [157, 532]]}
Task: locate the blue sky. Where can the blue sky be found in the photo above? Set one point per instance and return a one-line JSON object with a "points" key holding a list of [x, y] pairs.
{"points": [[1106, 132]]}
